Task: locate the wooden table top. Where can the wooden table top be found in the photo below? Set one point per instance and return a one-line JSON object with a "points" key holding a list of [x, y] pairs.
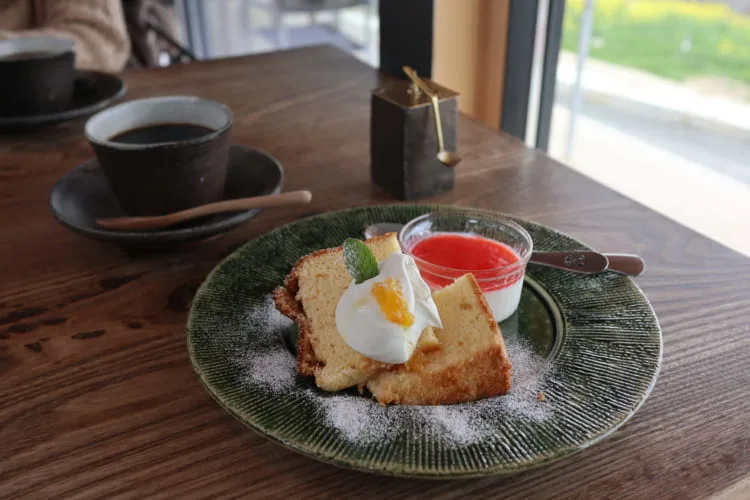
{"points": [[98, 397]]}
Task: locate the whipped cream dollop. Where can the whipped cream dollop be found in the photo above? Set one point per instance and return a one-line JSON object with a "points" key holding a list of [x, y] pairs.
{"points": [[383, 317]]}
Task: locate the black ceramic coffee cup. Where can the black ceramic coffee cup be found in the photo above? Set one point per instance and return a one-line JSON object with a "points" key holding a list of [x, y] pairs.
{"points": [[37, 75], [163, 154]]}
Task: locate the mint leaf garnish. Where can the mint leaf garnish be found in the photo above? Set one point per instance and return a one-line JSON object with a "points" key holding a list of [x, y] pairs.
{"points": [[359, 260]]}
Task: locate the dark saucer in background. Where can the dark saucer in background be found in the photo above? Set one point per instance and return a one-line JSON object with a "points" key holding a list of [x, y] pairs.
{"points": [[92, 92], [83, 195]]}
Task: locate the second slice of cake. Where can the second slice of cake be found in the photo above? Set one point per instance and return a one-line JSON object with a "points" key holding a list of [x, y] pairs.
{"points": [[472, 363]]}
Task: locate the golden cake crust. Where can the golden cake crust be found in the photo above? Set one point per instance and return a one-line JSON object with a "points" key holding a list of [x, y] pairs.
{"points": [[287, 305], [483, 375]]}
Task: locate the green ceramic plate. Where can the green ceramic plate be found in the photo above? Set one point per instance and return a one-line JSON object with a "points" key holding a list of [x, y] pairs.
{"points": [[586, 352]]}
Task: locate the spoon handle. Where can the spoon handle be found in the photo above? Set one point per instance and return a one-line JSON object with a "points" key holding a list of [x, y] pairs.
{"points": [[580, 262], [438, 124], [624, 263], [416, 79], [433, 98], [591, 262], [160, 221], [433, 95], [267, 201]]}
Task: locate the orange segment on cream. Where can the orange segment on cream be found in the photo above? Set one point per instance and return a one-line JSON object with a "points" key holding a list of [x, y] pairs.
{"points": [[389, 295]]}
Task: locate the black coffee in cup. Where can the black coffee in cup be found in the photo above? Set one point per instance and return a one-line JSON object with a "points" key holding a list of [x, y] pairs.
{"points": [[37, 75], [25, 55], [163, 154], [163, 132]]}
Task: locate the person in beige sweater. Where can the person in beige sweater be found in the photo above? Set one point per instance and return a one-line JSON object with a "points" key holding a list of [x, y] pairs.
{"points": [[97, 26]]}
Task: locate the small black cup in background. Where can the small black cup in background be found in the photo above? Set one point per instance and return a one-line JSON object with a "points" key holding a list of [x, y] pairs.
{"points": [[37, 75], [154, 178]]}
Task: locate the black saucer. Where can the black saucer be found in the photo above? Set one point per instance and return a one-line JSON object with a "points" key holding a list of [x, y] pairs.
{"points": [[93, 92], [83, 195]]}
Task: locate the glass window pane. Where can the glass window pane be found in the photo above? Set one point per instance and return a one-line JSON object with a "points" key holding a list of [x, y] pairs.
{"points": [[653, 100], [238, 27]]}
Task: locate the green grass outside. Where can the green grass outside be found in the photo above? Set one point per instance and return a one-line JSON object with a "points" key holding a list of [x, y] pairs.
{"points": [[651, 35]]}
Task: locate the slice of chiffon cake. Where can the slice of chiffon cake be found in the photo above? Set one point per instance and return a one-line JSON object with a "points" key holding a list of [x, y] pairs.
{"points": [[310, 294], [471, 364]]}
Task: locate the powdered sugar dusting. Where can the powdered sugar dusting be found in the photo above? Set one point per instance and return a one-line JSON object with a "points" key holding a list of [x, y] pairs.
{"points": [[527, 375], [276, 368], [268, 322], [361, 420], [357, 418], [459, 423]]}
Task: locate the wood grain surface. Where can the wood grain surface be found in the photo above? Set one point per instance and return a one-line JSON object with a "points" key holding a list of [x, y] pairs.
{"points": [[97, 395]]}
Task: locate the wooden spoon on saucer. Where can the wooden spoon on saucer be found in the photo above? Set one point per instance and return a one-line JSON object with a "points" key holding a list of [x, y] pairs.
{"points": [[162, 221]]}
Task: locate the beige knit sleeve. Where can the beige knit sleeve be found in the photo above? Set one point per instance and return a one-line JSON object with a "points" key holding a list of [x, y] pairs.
{"points": [[97, 26]]}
